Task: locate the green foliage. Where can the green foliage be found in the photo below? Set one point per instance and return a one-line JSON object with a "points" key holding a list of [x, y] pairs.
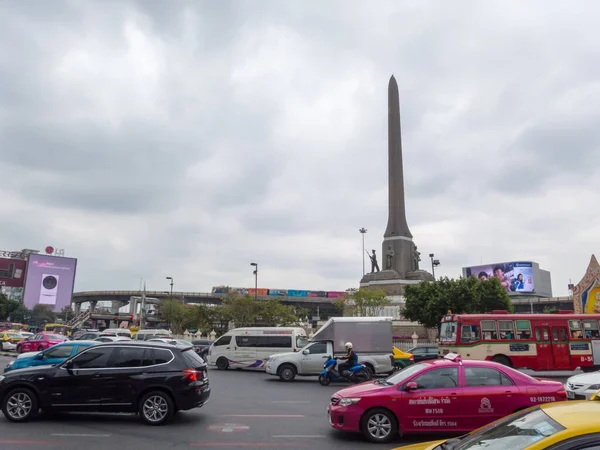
{"points": [[41, 314], [9, 307], [364, 302], [428, 301], [243, 311], [179, 315]]}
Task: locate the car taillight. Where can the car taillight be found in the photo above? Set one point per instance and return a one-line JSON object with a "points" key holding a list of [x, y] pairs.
{"points": [[412, 358], [562, 393], [193, 374]]}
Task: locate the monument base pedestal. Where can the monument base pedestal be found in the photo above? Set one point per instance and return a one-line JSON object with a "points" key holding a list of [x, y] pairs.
{"points": [[392, 282]]}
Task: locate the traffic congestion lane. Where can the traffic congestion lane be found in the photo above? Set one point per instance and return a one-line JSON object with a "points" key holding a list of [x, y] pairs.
{"points": [[246, 410]]}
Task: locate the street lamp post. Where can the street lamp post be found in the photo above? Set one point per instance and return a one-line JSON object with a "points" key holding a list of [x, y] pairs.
{"points": [[255, 265], [363, 231], [171, 283], [434, 264]]}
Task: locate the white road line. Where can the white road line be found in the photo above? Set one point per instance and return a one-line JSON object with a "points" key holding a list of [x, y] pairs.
{"points": [[80, 435], [290, 401], [300, 436]]}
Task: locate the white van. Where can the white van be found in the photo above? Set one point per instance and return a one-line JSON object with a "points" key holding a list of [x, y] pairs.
{"points": [[249, 348], [144, 335]]}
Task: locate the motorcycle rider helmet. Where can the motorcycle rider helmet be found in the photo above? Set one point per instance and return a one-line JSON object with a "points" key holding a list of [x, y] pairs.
{"points": [[348, 345]]}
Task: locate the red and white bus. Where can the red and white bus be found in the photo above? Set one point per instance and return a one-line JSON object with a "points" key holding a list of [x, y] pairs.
{"points": [[561, 341]]}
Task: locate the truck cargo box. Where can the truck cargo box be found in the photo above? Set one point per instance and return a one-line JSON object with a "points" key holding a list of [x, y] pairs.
{"points": [[367, 334]]}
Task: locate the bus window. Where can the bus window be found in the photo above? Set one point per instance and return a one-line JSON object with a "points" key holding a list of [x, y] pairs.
{"points": [[448, 332], [488, 327], [591, 329], [506, 329], [470, 333], [523, 329], [575, 329]]}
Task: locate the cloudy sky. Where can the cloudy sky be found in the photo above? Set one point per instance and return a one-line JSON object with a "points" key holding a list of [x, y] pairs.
{"points": [[188, 139]]}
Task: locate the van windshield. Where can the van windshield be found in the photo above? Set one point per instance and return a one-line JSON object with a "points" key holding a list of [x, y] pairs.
{"points": [[301, 341]]}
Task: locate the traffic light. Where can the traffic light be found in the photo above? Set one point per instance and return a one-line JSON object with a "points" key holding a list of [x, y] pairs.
{"points": [[116, 319], [130, 316]]}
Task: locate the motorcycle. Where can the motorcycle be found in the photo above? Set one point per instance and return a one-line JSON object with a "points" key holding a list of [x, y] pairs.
{"points": [[356, 374]]}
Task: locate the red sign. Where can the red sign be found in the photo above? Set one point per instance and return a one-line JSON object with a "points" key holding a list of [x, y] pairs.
{"points": [[49, 250], [12, 272]]}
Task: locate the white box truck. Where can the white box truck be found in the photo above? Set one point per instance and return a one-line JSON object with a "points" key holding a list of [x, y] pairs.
{"points": [[371, 338]]}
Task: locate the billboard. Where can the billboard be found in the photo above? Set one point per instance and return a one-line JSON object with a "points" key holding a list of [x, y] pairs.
{"points": [[12, 272], [49, 281], [514, 276]]}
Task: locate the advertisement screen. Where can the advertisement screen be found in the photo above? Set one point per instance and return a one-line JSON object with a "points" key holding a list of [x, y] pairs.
{"points": [[514, 276], [49, 281], [12, 272]]}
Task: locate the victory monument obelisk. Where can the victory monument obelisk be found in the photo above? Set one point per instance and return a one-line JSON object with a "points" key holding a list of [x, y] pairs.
{"points": [[400, 258]]}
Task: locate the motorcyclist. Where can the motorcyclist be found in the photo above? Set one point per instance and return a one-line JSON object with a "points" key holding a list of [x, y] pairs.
{"points": [[351, 358]]}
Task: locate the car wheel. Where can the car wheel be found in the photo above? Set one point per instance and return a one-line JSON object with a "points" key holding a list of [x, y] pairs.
{"points": [[156, 408], [40, 349], [19, 349], [287, 372], [20, 405], [379, 425], [324, 380], [2, 346], [222, 363]]}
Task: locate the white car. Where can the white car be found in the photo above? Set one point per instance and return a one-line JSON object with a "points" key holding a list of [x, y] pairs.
{"points": [[112, 338], [582, 387]]}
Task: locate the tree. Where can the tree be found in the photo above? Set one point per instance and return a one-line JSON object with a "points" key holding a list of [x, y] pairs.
{"points": [[272, 313], [179, 315], [364, 302], [428, 301], [9, 307], [41, 314], [243, 311], [66, 313]]}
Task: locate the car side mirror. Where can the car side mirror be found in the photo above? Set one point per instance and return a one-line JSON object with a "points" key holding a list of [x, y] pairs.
{"points": [[69, 365], [411, 386], [39, 356], [305, 352]]}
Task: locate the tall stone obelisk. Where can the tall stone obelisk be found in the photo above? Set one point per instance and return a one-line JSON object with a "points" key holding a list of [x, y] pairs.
{"points": [[399, 256]]}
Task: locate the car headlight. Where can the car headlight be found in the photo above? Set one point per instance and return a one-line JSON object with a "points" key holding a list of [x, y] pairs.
{"points": [[349, 401], [594, 387]]}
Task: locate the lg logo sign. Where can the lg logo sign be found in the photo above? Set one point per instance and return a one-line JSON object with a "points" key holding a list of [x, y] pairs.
{"points": [[56, 252]]}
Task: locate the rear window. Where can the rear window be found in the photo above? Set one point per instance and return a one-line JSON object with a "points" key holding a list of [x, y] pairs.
{"points": [[55, 336], [192, 359]]}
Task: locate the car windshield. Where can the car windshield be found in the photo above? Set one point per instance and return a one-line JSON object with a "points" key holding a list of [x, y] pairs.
{"points": [[301, 341], [516, 432], [13, 335], [55, 336], [403, 375]]}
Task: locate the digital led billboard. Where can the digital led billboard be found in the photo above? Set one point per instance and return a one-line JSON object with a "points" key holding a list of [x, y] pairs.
{"points": [[49, 281], [514, 276]]}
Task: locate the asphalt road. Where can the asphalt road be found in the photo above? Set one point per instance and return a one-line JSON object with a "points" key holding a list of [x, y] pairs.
{"points": [[246, 410]]}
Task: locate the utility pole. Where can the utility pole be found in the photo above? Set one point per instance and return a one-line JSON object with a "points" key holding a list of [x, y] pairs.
{"points": [[363, 231], [434, 264], [255, 265]]}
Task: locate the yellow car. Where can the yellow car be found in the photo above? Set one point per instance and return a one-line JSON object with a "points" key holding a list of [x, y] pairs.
{"points": [[9, 340], [566, 425], [402, 359]]}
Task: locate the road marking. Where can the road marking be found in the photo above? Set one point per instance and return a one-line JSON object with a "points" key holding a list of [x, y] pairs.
{"points": [[290, 401], [284, 416], [248, 444], [25, 442], [228, 427], [80, 435], [300, 436]]}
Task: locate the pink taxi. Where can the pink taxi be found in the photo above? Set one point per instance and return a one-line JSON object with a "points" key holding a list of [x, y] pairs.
{"points": [[39, 342], [442, 396]]}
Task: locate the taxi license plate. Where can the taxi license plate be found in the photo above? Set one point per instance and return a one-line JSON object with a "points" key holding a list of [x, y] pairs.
{"points": [[570, 394]]}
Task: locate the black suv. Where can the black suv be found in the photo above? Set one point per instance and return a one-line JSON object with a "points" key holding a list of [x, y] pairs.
{"points": [[152, 379]]}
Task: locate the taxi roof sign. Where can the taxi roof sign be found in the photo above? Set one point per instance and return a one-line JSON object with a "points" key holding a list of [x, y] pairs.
{"points": [[453, 357]]}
